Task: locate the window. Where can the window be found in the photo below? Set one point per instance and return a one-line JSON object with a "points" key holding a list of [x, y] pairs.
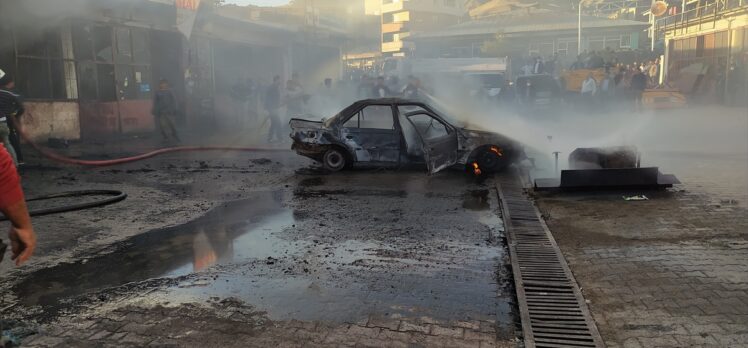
{"points": [[132, 82], [428, 127], [87, 84], [625, 41], [43, 57], [372, 117], [114, 62], [106, 82], [534, 49], [124, 45], [33, 78], [102, 42]]}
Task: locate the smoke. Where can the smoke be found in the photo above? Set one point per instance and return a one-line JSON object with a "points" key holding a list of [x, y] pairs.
{"points": [[47, 14], [655, 133]]}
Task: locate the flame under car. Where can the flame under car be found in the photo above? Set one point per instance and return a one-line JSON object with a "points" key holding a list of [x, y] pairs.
{"points": [[392, 132]]}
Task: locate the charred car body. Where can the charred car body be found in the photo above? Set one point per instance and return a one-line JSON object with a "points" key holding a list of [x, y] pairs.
{"points": [[392, 132]]}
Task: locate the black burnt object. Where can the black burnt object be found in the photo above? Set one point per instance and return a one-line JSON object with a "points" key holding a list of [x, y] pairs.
{"points": [[606, 168]]}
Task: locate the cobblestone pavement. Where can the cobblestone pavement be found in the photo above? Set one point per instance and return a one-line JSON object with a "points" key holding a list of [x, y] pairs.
{"points": [[228, 326], [670, 271]]}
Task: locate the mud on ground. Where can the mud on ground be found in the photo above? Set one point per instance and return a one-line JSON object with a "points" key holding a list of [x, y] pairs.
{"points": [[231, 249]]}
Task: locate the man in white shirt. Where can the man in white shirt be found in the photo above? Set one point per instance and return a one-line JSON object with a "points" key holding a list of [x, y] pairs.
{"points": [[589, 89]]}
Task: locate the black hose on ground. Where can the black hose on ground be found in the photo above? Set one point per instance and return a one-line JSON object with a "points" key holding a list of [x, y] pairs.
{"points": [[115, 196]]}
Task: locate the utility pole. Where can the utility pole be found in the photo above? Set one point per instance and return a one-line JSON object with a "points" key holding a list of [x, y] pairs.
{"points": [[579, 28], [652, 29]]}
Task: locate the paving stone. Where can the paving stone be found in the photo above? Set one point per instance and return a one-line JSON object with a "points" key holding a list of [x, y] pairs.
{"points": [[437, 330], [408, 326], [479, 336], [387, 323]]}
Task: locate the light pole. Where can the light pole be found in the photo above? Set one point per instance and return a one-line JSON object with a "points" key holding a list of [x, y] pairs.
{"points": [[652, 30], [579, 28]]}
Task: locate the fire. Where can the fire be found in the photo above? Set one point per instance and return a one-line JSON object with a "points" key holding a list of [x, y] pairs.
{"points": [[497, 151], [476, 169]]}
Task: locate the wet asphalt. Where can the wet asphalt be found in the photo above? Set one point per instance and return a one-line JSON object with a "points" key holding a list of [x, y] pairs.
{"points": [[324, 247]]}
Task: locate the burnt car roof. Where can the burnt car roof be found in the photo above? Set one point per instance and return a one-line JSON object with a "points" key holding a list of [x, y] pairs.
{"points": [[388, 101]]}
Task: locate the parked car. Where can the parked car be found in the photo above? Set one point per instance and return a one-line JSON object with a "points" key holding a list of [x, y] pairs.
{"points": [[392, 132]]}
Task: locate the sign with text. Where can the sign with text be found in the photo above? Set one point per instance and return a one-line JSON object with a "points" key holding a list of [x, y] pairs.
{"points": [[186, 15]]}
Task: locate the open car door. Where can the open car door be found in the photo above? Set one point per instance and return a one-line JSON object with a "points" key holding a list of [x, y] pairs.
{"points": [[438, 140]]}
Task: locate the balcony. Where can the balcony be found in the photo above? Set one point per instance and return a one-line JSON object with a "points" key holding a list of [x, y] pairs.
{"points": [[396, 46], [393, 27], [702, 17], [421, 6], [393, 6]]}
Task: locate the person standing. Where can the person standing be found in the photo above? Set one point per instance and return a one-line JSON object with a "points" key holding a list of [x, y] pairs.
{"points": [[13, 206], [273, 105], [164, 110], [654, 72], [578, 64], [411, 89], [11, 105], [595, 61], [294, 99], [539, 66], [638, 85], [589, 90], [380, 89], [527, 69]]}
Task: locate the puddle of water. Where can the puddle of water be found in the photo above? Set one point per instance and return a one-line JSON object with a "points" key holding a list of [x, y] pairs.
{"points": [[235, 231], [302, 278], [476, 200]]}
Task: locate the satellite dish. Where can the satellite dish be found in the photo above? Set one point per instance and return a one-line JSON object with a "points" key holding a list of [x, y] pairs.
{"points": [[659, 8]]}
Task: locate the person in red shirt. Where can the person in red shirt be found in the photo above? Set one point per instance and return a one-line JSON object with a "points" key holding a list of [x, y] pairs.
{"points": [[13, 205]]}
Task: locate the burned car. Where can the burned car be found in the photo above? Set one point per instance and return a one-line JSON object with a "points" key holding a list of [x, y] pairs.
{"points": [[392, 132]]}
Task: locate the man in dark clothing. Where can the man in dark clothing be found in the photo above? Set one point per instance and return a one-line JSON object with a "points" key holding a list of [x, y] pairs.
{"points": [[596, 61], [578, 64], [380, 89], [11, 105], [164, 110], [411, 89], [273, 105], [539, 66], [638, 85]]}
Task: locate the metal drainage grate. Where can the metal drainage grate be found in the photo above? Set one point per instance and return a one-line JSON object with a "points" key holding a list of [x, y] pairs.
{"points": [[552, 309]]}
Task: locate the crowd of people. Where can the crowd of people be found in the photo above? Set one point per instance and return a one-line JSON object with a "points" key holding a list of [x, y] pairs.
{"points": [[612, 81], [256, 105]]}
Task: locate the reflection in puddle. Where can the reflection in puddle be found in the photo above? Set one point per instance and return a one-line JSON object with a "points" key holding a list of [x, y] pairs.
{"points": [[442, 267], [476, 200], [236, 230]]}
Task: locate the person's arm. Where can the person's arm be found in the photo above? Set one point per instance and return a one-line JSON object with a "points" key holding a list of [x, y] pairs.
{"points": [[13, 205]]}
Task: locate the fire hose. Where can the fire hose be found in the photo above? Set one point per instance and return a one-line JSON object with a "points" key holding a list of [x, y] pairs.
{"points": [[103, 163], [115, 196]]}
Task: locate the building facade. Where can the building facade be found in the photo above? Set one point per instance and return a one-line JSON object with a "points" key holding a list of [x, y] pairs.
{"points": [[402, 17], [540, 33], [706, 51], [87, 69]]}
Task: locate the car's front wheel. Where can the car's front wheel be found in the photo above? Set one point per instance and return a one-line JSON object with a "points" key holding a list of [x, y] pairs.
{"points": [[491, 159], [334, 160]]}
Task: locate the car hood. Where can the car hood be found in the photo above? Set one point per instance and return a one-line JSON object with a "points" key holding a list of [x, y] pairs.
{"points": [[297, 123]]}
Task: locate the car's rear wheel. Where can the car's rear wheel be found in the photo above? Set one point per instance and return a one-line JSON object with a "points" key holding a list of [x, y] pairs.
{"points": [[334, 160]]}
